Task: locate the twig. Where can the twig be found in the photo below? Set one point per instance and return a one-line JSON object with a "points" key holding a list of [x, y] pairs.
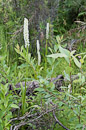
{"points": [[30, 121], [24, 117], [57, 121]]}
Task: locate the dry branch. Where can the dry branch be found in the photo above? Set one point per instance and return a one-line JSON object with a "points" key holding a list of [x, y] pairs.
{"points": [[57, 121], [23, 123]]}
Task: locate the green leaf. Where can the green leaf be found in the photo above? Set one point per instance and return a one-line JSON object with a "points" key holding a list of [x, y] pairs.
{"points": [[14, 106], [35, 106], [67, 76], [61, 103], [39, 89], [1, 127], [78, 64], [57, 55], [47, 96], [82, 13], [65, 52], [55, 48], [79, 126], [75, 112], [72, 52], [84, 57], [58, 39], [50, 49]]}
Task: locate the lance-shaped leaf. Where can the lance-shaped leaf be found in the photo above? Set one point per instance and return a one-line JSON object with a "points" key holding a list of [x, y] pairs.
{"points": [[65, 52], [57, 55], [78, 64]]}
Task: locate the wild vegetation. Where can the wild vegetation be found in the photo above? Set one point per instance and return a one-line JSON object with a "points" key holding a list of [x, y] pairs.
{"points": [[42, 64]]}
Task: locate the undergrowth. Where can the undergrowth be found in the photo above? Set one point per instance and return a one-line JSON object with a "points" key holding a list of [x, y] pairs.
{"points": [[44, 89]]}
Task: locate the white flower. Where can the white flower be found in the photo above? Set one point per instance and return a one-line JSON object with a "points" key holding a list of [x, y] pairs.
{"points": [[38, 52], [38, 46], [47, 31], [26, 32]]}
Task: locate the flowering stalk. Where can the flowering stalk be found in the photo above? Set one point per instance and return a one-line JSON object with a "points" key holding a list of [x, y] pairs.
{"points": [[26, 33], [47, 31], [47, 35], [26, 39], [38, 52]]}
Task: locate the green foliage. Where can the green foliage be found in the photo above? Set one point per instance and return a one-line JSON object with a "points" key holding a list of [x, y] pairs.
{"points": [[69, 11], [19, 64], [6, 98], [23, 93]]}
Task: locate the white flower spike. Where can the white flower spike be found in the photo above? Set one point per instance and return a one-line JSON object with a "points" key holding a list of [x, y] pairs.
{"points": [[38, 52], [47, 31], [26, 33]]}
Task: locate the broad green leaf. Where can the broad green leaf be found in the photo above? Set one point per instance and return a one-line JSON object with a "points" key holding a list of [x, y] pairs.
{"points": [[83, 79], [78, 64], [79, 126], [47, 96], [67, 76], [58, 39], [75, 112], [1, 127], [65, 52], [82, 13], [55, 48], [82, 61], [39, 89], [84, 57], [57, 55], [72, 52], [61, 103], [50, 49], [2, 113], [14, 106], [77, 81], [18, 51]]}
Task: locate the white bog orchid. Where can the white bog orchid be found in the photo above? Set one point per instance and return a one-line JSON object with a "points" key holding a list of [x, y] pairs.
{"points": [[38, 52], [47, 31], [26, 33]]}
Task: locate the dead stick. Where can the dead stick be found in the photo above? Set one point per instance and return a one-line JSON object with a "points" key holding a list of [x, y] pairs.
{"points": [[57, 121]]}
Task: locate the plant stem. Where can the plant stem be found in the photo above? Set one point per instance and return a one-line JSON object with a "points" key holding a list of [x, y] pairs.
{"points": [[27, 64], [46, 55], [80, 98], [70, 78], [23, 99]]}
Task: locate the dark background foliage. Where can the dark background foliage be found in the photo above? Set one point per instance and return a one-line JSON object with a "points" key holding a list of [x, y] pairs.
{"points": [[61, 14]]}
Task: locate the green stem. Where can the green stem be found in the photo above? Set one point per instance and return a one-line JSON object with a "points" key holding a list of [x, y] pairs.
{"points": [[80, 98], [70, 75], [33, 69], [46, 54], [46, 47], [23, 99], [27, 64]]}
